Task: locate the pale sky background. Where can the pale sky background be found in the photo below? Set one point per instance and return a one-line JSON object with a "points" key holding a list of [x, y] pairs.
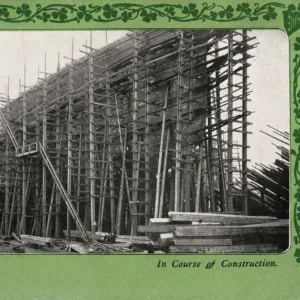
{"points": [[269, 74]]}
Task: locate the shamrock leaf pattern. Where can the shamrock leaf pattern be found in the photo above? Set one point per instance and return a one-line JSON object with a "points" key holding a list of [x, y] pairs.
{"points": [[126, 16], [23, 10], [244, 8], [109, 12], [125, 12], [4, 12], [44, 17], [61, 14], [227, 12], [148, 16], [84, 13], [271, 13], [191, 10]]}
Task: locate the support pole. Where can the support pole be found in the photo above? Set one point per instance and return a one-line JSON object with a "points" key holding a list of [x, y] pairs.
{"points": [[134, 208], [230, 127], [198, 200], [222, 186], [163, 181], [178, 125], [24, 223], [109, 148], [244, 129], [44, 144], [147, 142], [58, 149], [70, 137], [92, 140], [160, 157], [123, 172]]}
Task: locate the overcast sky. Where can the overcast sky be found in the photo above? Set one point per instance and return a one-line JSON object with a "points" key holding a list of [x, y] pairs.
{"points": [[268, 73]]}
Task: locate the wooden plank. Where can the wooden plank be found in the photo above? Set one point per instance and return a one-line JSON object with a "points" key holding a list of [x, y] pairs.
{"points": [[281, 222], [258, 248], [226, 249], [202, 242], [227, 230], [162, 221], [159, 221], [36, 240], [136, 238], [132, 241], [159, 228], [227, 219]]}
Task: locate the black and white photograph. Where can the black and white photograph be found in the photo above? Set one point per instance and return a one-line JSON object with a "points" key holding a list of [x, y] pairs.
{"points": [[144, 142]]}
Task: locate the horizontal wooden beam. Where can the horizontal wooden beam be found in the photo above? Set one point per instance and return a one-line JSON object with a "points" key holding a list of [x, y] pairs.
{"points": [[159, 228], [204, 231], [219, 218], [163, 221], [267, 248], [201, 242]]}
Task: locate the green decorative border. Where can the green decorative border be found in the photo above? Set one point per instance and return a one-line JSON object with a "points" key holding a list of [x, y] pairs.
{"points": [[64, 13]]}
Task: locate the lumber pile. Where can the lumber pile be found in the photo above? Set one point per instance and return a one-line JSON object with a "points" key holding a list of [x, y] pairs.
{"points": [[221, 233]]}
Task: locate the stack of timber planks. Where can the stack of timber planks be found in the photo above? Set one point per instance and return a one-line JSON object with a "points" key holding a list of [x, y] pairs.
{"points": [[219, 233]]}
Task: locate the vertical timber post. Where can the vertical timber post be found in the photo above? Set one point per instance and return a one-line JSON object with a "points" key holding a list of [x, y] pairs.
{"points": [[178, 125], [134, 209], [69, 134], [58, 147], [147, 142], [23, 221], [230, 129], [92, 141], [244, 128], [222, 186], [44, 144], [110, 148]]}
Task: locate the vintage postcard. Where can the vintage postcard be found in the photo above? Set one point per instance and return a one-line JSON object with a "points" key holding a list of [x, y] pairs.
{"points": [[149, 150]]}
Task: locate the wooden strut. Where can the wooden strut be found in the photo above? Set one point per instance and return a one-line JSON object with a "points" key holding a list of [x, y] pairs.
{"points": [[244, 134], [63, 192], [163, 183], [158, 176], [134, 208], [124, 172], [92, 143], [178, 145], [69, 135], [222, 186], [230, 115]]}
